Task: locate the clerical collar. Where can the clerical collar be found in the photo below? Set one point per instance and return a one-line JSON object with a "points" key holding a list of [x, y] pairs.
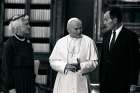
{"points": [[20, 38]]}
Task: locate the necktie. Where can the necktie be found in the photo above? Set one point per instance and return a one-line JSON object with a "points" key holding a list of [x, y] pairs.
{"points": [[113, 40]]}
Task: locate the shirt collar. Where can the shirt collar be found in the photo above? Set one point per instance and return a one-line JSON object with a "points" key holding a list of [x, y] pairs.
{"points": [[117, 32], [119, 29]]}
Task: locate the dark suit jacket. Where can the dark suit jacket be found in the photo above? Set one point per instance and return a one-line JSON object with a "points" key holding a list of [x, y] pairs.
{"points": [[119, 66]]}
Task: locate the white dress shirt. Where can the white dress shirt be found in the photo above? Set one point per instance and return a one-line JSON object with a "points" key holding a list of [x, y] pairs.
{"points": [[117, 33]]}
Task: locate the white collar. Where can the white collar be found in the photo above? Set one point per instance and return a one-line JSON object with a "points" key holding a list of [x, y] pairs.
{"points": [[119, 29], [117, 32]]}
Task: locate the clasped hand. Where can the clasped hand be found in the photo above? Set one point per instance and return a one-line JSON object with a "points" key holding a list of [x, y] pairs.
{"points": [[73, 67]]}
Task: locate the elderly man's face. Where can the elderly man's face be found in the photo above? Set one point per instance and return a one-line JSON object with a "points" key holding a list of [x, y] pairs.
{"points": [[75, 29], [108, 22]]}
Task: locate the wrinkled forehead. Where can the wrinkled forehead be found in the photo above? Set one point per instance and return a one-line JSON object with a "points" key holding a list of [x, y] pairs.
{"points": [[107, 14], [107, 17]]}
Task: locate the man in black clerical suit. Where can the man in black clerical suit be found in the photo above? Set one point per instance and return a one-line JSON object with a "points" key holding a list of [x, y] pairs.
{"points": [[120, 55]]}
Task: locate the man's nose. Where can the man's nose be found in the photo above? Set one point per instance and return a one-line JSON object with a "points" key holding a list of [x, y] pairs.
{"points": [[78, 30]]}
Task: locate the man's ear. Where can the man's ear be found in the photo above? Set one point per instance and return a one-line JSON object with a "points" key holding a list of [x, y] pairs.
{"points": [[115, 20]]}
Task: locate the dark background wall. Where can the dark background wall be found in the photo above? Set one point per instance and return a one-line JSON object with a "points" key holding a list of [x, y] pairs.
{"points": [[82, 9]]}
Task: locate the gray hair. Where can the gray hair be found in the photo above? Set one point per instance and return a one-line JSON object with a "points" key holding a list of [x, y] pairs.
{"points": [[16, 23], [14, 26]]}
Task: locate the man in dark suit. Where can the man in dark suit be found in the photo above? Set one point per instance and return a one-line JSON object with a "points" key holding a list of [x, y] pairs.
{"points": [[120, 55]]}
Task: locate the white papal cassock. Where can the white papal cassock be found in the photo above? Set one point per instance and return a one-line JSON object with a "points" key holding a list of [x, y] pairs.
{"points": [[65, 50]]}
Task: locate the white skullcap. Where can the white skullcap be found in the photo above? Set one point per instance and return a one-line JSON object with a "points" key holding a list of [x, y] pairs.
{"points": [[71, 20]]}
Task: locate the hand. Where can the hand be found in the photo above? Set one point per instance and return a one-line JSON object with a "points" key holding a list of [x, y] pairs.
{"points": [[70, 67], [73, 67], [78, 67]]}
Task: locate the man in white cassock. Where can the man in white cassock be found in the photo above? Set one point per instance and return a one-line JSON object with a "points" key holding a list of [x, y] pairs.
{"points": [[73, 57]]}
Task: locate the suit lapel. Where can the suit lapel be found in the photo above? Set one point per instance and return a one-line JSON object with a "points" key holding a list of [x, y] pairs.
{"points": [[107, 40], [121, 34]]}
